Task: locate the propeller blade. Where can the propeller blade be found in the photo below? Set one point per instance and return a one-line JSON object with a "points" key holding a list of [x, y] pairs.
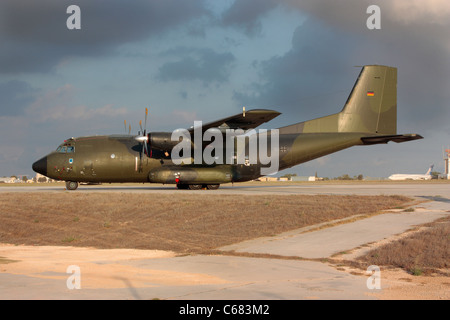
{"points": [[145, 123], [142, 136], [145, 132]]}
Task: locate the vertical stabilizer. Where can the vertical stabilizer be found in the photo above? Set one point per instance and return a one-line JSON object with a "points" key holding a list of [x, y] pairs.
{"points": [[372, 104], [371, 107]]}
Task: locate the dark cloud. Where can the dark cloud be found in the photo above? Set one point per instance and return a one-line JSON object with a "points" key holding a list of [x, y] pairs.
{"points": [[34, 35], [15, 96], [413, 37], [307, 80], [246, 14], [204, 64]]}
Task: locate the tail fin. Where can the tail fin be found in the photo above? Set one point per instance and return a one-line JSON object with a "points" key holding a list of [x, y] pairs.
{"points": [[370, 108], [430, 170], [372, 105]]}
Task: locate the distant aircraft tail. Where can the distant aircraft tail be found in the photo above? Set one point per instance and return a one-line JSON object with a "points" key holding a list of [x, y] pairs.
{"points": [[430, 170]]}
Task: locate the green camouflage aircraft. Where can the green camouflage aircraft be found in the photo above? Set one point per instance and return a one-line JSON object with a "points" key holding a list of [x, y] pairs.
{"points": [[369, 117]]}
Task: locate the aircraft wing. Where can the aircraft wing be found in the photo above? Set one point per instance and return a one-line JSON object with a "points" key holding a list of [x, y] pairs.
{"points": [[245, 120]]}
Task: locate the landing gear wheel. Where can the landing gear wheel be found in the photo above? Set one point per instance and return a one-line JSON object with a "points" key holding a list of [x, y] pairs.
{"points": [[182, 186], [195, 186], [71, 185], [212, 186]]}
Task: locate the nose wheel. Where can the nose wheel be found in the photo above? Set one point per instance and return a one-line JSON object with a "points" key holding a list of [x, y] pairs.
{"points": [[71, 185]]}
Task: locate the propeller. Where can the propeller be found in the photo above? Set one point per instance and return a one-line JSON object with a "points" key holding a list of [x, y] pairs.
{"points": [[143, 138]]}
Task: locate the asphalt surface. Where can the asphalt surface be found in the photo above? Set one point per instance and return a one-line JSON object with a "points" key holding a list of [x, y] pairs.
{"points": [[126, 275]]}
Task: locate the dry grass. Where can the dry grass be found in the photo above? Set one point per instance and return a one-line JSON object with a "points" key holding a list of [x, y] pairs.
{"points": [[425, 251], [183, 223]]}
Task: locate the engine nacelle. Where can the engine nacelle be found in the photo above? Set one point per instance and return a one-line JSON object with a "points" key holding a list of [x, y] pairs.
{"points": [[162, 141]]}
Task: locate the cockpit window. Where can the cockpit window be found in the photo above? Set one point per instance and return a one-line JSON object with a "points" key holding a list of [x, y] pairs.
{"points": [[66, 149], [67, 146]]}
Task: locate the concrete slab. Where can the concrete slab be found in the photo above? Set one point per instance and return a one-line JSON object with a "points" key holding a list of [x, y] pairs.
{"points": [[329, 241]]}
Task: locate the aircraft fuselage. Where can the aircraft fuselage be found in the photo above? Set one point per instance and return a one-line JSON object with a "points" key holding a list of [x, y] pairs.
{"points": [[369, 117], [120, 159]]}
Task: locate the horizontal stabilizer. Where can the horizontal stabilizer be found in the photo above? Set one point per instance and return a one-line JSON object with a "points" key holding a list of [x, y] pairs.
{"points": [[386, 138]]}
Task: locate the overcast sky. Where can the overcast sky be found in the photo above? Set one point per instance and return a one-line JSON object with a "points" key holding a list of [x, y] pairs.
{"points": [[190, 60]]}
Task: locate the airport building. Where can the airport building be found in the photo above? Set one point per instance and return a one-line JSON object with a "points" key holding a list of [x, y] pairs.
{"points": [[42, 178]]}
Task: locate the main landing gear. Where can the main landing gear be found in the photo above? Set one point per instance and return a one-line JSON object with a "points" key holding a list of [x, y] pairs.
{"points": [[197, 186], [71, 185]]}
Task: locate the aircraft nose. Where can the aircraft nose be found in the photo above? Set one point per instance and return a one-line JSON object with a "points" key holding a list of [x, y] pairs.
{"points": [[40, 166]]}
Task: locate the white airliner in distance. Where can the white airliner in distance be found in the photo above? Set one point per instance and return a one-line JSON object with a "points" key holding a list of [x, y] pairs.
{"points": [[406, 176]]}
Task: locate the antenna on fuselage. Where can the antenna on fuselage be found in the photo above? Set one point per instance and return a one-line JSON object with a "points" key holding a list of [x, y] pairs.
{"points": [[129, 127]]}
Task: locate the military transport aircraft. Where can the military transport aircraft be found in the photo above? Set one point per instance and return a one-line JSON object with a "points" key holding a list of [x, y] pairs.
{"points": [[368, 117]]}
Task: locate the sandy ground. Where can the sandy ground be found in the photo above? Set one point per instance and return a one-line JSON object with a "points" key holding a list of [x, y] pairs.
{"points": [[40, 272], [120, 269], [101, 269], [396, 284], [400, 285]]}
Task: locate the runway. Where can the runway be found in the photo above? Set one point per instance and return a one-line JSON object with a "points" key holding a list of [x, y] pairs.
{"points": [[410, 189], [41, 272]]}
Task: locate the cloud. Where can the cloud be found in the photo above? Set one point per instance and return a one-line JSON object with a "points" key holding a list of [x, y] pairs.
{"points": [[246, 15], [35, 38], [15, 96], [57, 105], [414, 38], [185, 116], [412, 12], [12, 153], [307, 76], [203, 64]]}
